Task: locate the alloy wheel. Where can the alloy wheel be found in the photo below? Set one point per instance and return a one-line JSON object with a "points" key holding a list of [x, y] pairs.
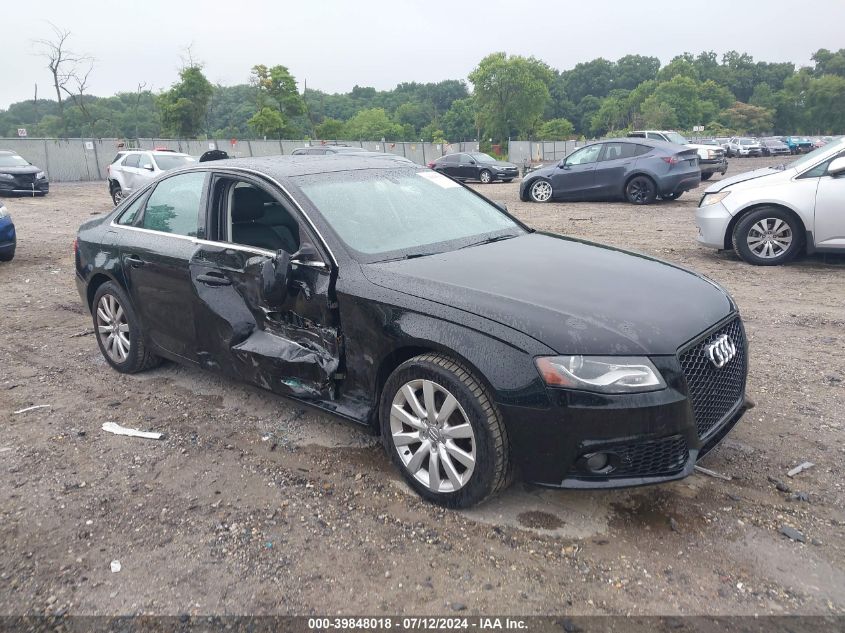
{"points": [[433, 436], [769, 238], [117, 196], [541, 191], [113, 328], [484, 177], [640, 191]]}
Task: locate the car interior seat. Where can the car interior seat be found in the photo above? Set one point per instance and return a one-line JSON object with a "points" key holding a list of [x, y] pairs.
{"points": [[250, 206]]}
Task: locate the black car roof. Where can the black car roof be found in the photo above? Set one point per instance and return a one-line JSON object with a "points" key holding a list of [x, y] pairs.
{"points": [[303, 165]]}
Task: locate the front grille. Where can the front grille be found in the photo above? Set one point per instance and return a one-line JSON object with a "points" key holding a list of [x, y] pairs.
{"points": [[654, 458], [25, 179], [714, 392]]}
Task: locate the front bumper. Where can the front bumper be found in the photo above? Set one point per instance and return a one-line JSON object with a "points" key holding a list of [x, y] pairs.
{"points": [[713, 165], [506, 175], [21, 186], [712, 222], [649, 437], [749, 152]]}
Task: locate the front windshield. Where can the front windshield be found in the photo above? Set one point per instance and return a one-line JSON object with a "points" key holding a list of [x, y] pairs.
{"points": [[746, 141], [674, 137], [165, 161], [810, 158], [12, 160], [389, 214], [482, 158]]}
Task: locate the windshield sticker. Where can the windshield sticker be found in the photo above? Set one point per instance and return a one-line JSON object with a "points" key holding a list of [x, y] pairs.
{"points": [[438, 179]]}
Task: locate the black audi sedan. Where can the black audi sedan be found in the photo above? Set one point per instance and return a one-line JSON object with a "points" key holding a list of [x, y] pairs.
{"points": [[402, 300], [475, 166], [638, 170], [17, 175]]}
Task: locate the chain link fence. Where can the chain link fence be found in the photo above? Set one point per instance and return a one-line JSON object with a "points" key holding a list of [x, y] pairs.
{"points": [[81, 159]]}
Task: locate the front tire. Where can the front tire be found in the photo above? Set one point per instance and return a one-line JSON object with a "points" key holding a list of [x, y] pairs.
{"points": [[7, 255], [118, 331], [707, 176], [768, 237], [443, 431], [485, 177], [540, 191], [641, 190], [117, 195]]}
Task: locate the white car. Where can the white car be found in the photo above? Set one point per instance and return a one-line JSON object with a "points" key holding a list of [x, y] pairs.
{"points": [[743, 146], [770, 215], [132, 169]]}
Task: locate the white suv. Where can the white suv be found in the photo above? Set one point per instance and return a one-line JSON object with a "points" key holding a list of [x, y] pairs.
{"points": [[132, 169], [770, 215]]}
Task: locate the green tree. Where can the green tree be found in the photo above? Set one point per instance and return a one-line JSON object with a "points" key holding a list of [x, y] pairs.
{"points": [[829, 63], [459, 120], [593, 78], [614, 114], [658, 114], [747, 119], [510, 94], [556, 130], [632, 70], [825, 104], [330, 129], [682, 95], [417, 115], [183, 108], [680, 66], [372, 125], [267, 122]]}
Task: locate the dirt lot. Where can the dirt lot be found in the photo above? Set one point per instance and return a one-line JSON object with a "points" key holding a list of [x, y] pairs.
{"points": [[254, 505]]}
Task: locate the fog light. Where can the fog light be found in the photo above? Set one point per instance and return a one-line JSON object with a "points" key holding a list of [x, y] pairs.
{"points": [[596, 462]]}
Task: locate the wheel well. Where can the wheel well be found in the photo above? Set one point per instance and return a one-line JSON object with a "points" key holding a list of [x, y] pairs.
{"points": [[94, 285], [637, 175], [765, 205], [398, 356]]}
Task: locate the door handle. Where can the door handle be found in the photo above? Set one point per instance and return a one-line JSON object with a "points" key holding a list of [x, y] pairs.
{"points": [[213, 279], [133, 261]]}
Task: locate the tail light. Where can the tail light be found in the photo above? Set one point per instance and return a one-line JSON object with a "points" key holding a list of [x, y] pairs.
{"points": [[672, 160], [75, 246], [431, 165]]}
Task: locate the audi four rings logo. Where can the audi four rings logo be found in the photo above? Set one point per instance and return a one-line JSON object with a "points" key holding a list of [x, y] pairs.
{"points": [[721, 351]]}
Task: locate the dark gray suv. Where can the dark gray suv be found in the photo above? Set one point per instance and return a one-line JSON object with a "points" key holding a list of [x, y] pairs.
{"points": [[638, 170]]}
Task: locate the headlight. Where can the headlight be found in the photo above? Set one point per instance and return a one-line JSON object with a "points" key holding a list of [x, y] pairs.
{"points": [[40, 175], [6, 177], [3, 212], [603, 374], [713, 198]]}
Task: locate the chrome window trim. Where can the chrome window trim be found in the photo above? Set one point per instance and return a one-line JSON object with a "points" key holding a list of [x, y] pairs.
{"points": [[248, 248]]}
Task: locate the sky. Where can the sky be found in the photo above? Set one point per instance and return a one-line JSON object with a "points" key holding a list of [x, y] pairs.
{"points": [[335, 44]]}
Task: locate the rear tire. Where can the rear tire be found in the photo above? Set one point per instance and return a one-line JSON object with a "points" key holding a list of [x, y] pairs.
{"points": [[431, 452], [118, 331], [707, 176], [641, 190], [768, 237]]}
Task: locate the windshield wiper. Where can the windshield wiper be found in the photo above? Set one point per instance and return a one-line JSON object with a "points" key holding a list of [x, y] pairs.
{"points": [[490, 240], [408, 256]]}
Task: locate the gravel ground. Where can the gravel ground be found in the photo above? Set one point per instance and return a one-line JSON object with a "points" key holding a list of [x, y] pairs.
{"points": [[254, 505]]}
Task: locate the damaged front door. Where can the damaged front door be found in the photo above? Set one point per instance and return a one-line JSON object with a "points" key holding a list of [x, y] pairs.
{"points": [[262, 319]]}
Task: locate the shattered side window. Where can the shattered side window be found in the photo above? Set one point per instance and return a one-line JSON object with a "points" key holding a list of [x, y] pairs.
{"points": [[175, 204]]}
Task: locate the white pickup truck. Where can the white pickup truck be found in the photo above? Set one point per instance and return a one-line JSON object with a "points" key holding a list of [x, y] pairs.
{"points": [[711, 158]]}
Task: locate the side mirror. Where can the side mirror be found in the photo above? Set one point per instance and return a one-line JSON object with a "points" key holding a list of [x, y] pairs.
{"points": [[472, 162], [275, 273], [147, 166], [308, 256], [836, 167]]}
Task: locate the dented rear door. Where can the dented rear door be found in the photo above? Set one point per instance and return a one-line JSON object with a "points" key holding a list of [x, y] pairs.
{"points": [[292, 349]]}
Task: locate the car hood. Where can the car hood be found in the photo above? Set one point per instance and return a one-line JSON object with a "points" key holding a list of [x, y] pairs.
{"points": [[573, 296], [20, 171], [724, 183]]}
